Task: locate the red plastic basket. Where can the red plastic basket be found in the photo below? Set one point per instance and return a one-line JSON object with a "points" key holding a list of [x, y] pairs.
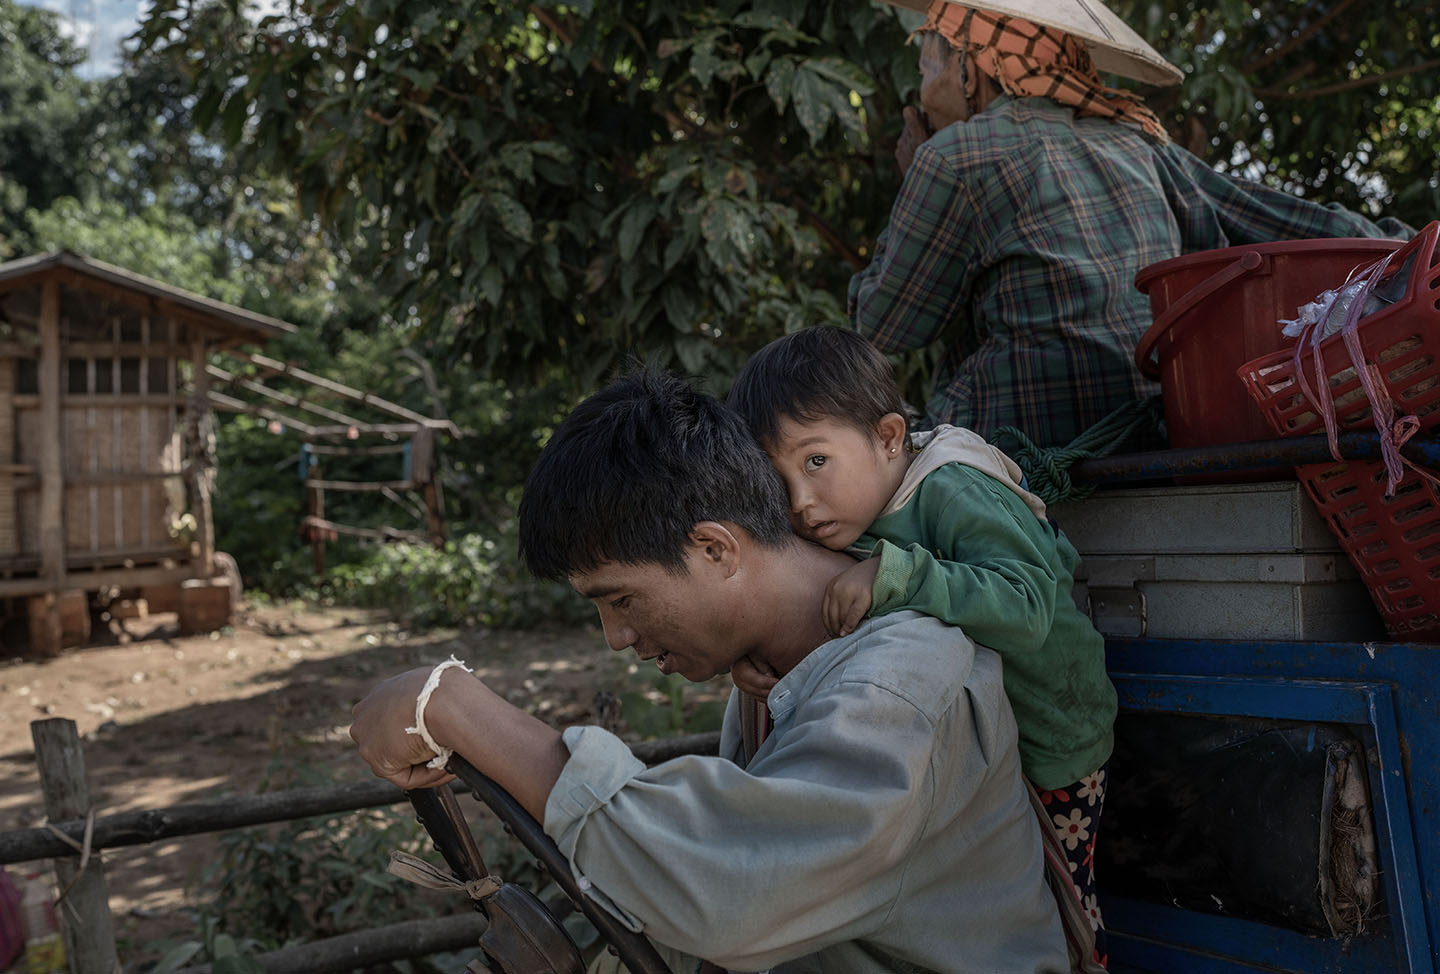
{"points": [[1394, 541]]}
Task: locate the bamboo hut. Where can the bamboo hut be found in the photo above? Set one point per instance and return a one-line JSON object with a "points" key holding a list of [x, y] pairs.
{"points": [[106, 445]]}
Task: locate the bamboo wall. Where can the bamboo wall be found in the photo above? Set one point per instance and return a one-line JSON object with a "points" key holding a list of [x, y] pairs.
{"points": [[122, 413]]}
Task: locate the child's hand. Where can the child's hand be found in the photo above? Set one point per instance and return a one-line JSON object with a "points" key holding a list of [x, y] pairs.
{"points": [[753, 678], [848, 597]]}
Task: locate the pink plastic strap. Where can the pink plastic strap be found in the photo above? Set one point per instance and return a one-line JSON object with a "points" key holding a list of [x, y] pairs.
{"points": [[1394, 431]]}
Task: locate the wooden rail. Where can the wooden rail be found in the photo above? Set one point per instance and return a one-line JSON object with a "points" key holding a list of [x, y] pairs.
{"points": [[85, 916]]}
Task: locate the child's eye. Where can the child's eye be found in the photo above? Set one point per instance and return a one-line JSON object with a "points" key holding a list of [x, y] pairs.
{"points": [[815, 462]]}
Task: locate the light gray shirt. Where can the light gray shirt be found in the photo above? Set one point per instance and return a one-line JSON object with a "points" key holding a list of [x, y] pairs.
{"points": [[882, 826]]}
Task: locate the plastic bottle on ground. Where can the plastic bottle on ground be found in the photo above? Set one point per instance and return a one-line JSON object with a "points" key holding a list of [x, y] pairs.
{"points": [[44, 949]]}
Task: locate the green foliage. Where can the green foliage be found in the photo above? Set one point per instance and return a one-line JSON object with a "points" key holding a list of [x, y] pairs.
{"points": [[472, 580], [661, 711], [545, 186], [537, 200], [154, 242], [306, 880], [45, 108], [1338, 102]]}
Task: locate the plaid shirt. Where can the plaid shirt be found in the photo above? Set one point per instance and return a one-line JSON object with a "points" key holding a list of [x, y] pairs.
{"points": [[1016, 239]]}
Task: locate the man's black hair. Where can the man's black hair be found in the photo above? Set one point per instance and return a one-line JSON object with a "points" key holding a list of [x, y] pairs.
{"points": [[634, 468], [822, 372]]}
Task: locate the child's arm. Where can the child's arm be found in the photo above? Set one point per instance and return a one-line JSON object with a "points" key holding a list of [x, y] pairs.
{"points": [[982, 562]]}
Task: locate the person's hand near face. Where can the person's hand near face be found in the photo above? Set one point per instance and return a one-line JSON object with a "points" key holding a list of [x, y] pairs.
{"points": [[917, 130]]}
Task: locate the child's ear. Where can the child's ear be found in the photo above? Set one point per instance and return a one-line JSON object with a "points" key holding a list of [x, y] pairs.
{"points": [[893, 433]]}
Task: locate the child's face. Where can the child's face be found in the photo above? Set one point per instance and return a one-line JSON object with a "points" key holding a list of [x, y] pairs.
{"points": [[839, 477]]}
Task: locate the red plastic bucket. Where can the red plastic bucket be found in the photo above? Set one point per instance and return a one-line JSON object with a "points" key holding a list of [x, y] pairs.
{"points": [[1216, 310]]}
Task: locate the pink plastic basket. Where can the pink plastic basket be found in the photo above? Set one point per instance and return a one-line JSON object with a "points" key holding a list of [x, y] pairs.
{"points": [[1393, 541]]}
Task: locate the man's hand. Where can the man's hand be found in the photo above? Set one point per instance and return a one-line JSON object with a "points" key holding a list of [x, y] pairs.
{"points": [[379, 729], [753, 678], [917, 130], [848, 596]]}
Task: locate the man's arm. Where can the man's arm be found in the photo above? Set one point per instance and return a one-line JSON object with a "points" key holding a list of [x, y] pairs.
{"points": [[750, 868], [521, 753], [918, 279]]}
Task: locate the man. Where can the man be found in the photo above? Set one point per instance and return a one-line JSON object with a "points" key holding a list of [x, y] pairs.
{"points": [[1032, 196], [882, 824]]}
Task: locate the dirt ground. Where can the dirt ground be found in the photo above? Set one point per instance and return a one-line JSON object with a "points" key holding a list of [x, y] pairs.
{"points": [[168, 720]]}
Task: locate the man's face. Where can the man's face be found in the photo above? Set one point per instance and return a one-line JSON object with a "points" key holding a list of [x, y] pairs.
{"points": [[942, 83], [678, 620], [839, 478]]}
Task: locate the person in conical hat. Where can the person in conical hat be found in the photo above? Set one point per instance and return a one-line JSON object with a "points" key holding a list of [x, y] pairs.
{"points": [[1032, 195]]}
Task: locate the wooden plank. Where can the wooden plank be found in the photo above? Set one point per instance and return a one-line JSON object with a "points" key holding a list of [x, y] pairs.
{"points": [[354, 451], [85, 911], [359, 485], [316, 497], [92, 444], [100, 399], [232, 405], [243, 811], [374, 534], [11, 588], [369, 399], [52, 473], [200, 420], [262, 389], [383, 429], [101, 350], [9, 533], [107, 478]]}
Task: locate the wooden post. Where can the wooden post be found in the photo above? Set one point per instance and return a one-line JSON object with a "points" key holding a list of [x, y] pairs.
{"points": [[435, 513], [199, 418], [84, 910], [317, 533], [46, 641]]}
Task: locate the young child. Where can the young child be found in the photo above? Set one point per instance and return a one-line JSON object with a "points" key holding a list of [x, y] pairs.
{"points": [[948, 530]]}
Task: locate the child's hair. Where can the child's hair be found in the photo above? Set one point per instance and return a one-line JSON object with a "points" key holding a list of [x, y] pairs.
{"points": [[633, 468], [821, 372]]}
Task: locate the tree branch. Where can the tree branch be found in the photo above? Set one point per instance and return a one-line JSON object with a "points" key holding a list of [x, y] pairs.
{"points": [[1351, 85], [1264, 62]]}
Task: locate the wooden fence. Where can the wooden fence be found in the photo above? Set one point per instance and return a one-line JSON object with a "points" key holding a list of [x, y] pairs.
{"points": [[76, 836]]}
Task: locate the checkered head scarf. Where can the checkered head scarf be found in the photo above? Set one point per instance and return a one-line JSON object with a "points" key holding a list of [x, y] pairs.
{"points": [[1028, 60]]}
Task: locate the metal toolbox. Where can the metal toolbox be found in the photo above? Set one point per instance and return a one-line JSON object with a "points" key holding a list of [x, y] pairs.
{"points": [[1245, 561]]}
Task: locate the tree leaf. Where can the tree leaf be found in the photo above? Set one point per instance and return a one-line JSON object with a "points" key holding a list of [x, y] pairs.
{"points": [[812, 104], [680, 304], [845, 72], [492, 285], [780, 81], [632, 227], [514, 218]]}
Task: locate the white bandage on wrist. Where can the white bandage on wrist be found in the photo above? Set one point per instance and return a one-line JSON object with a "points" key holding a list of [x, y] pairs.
{"points": [[442, 754]]}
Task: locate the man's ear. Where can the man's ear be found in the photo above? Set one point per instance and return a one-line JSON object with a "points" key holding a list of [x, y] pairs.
{"points": [[892, 430], [716, 545]]}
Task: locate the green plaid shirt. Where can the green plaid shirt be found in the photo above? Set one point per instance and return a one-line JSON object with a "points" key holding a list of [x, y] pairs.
{"points": [[1016, 239]]}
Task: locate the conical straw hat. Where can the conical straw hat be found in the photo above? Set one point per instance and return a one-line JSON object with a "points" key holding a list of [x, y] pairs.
{"points": [[1114, 47]]}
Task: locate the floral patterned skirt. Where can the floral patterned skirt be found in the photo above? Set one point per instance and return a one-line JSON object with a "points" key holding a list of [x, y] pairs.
{"points": [[1075, 811]]}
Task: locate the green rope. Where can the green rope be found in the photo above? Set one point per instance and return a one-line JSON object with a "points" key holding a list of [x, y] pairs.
{"points": [[1047, 469]]}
